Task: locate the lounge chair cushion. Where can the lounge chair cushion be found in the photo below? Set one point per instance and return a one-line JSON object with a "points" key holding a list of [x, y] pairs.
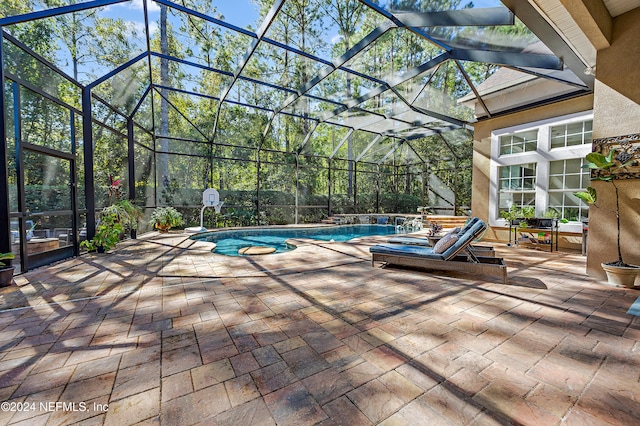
{"points": [[445, 242], [455, 230], [409, 240], [465, 238], [406, 250]]}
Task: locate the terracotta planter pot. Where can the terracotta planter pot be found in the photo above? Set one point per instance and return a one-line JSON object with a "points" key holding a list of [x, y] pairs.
{"points": [[163, 229], [620, 276]]}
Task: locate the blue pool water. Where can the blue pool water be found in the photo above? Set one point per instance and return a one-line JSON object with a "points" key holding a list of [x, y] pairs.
{"points": [[229, 242]]}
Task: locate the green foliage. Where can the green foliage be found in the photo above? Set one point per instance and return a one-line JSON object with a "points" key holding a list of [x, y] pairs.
{"points": [[604, 166], [589, 196], [597, 161], [107, 234], [126, 213], [6, 256], [169, 190], [165, 218], [515, 212], [601, 163], [114, 220]]}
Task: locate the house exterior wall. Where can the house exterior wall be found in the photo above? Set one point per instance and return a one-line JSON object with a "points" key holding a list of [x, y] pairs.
{"points": [[617, 113]]}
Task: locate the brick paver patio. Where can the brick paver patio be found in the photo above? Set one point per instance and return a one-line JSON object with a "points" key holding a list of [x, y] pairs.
{"points": [[165, 332]]}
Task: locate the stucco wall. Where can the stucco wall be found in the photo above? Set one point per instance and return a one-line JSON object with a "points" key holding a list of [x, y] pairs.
{"points": [[617, 112]]}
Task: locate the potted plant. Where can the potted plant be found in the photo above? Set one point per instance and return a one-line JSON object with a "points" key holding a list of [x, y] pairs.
{"points": [[165, 218], [435, 229], [6, 270], [619, 273], [127, 214], [107, 234]]}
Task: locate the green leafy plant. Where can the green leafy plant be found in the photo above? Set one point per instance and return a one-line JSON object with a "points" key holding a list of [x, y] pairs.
{"points": [[107, 234], [126, 212], [5, 256], [515, 212], [605, 166], [511, 214], [528, 212], [165, 218], [114, 220]]}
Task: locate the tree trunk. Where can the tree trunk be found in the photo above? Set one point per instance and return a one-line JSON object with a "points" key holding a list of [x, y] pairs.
{"points": [[163, 143]]}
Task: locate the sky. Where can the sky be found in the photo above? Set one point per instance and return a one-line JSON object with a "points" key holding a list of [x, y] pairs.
{"points": [[241, 13], [237, 12]]}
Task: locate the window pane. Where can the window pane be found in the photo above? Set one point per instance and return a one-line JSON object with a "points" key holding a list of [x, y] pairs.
{"points": [[572, 181], [555, 199], [574, 140], [574, 128], [556, 167], [558, 132], [557, 142], [571, 201], [529, 183], [529, 199], [530, 170], [506, 200], [555, 182], [574, 165]]}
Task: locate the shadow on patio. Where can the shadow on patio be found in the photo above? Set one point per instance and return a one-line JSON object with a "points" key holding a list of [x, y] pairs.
{"points": [[163, 330]]}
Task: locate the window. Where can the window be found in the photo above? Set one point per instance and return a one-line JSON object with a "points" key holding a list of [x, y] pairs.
{"points": [[565, 178], [517, 186], [519, 142], [540, 167], [571, 134]]}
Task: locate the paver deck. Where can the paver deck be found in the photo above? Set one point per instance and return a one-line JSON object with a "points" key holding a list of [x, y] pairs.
{"points": [[164, 332]]}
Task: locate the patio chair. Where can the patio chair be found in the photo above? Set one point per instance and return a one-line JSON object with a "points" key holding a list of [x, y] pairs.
{"points": [[423, 241], [454, 254], [364, 219]]}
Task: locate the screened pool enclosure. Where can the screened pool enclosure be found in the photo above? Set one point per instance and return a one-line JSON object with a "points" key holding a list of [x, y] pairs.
{"points": [[294, 110]]}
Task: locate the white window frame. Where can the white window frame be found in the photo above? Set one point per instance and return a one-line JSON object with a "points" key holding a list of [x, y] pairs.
{"points": [[583, 174], [565, 135], [542, 156]]}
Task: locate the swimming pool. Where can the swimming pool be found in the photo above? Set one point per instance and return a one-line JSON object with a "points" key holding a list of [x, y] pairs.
{"points": [[229, 242]]}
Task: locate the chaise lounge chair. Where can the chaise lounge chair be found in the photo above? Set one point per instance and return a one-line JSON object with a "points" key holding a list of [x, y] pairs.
{"points": [[422, 241], [457, 257]]}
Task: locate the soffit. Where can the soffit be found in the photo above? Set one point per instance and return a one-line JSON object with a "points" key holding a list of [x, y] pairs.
{"points": [[557, 15], [618, 7]]}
